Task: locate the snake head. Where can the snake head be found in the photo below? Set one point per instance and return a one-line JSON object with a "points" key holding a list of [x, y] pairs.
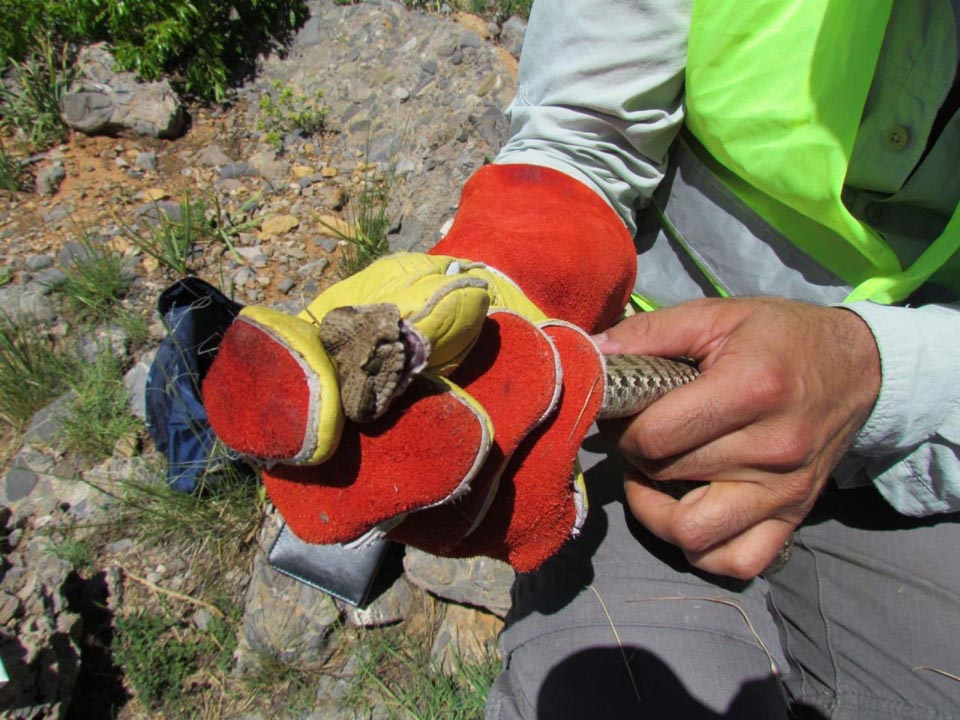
{"points": [[376, 355]]}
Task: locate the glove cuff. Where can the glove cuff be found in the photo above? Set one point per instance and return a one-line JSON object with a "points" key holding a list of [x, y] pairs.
{"points": [[554, 236]]}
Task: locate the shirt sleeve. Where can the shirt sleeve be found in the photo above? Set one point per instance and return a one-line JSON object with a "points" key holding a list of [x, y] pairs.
{"points": [[910, 445], [600, 94]]}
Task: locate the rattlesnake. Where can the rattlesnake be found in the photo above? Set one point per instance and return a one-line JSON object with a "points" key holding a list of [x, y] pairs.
{"points": [[376, 355]]}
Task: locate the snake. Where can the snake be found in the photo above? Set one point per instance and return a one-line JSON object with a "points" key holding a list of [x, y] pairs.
{"points": [[376, 355]]}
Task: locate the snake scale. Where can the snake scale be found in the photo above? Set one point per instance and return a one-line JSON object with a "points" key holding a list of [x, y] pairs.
{"points": [[376, 356]]}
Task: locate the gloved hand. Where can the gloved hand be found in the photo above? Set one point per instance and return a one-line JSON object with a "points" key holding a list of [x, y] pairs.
{"points": [[499, 427]]}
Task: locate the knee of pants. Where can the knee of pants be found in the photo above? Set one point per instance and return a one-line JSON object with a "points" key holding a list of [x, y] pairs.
{"points": [[653, 671]]}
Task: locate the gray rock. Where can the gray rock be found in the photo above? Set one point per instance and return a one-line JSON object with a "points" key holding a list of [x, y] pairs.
{"points": [[45, 430], [270, 167], [71, 253], [213, 156], [147, 161], [481, 582], [152, 212], [35, 263], [389, 608], [103, 101], [429, 66], [512, 34], [112, 339], [470, 39], [286, 285], [135, 382], [50, 177], [243, 277], [235, 170], [284, 619], [57, 214]]}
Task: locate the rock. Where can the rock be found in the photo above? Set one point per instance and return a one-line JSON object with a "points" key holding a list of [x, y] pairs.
{"points": [[152, 212], [269, 167], [50, 177], [278, 225], [389, 608], [135, 382], [465, 635], [103, 101], [235, 170], [286, 285], [147, 161], [36, 263], [481, 582], [512, 34], [213, 156], [284, 620]]}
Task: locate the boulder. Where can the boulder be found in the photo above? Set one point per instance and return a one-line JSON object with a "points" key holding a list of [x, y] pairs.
{"points": [[103, 101]]}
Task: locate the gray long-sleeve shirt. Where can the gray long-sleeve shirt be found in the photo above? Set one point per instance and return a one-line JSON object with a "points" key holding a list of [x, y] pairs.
{"points": [[600, 98]]}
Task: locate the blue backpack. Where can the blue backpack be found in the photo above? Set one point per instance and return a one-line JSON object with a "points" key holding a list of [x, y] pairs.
{"points": [[196, 315]]}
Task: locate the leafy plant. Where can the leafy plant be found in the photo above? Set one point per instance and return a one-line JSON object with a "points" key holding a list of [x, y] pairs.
{"points": [[94, 282], [284, 111], [33, 104], [154, 658], [100, 414], [32, 370], [204, 44]]}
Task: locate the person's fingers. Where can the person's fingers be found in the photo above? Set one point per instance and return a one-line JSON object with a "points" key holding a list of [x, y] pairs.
{"points": [[720, 526], [748, 554]]}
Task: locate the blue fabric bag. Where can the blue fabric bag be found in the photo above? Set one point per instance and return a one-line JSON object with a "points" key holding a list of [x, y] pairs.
{"points": [[196, 315]]}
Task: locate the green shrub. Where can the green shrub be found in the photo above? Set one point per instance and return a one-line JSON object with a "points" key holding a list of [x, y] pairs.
{"points": [[204, 44], [95, 282], [284, 111], [154, 660]]}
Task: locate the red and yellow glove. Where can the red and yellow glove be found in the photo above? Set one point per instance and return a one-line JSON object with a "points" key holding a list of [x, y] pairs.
{"points": [[477, 456]]}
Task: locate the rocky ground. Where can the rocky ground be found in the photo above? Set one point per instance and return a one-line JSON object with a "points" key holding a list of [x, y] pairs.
{"points": [[416, 105]]}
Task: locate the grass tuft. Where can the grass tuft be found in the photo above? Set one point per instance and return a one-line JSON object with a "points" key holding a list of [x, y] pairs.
{"points": [[95, 282], [284, 111], [99, 416], [32, 371], [366, 239], [32, 106]]}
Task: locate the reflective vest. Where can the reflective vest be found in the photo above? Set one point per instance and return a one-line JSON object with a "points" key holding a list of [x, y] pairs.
{"points": [[775, 91]]}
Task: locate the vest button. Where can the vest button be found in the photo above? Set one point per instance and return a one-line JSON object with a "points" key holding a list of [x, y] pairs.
{"points": [[897, 138]]}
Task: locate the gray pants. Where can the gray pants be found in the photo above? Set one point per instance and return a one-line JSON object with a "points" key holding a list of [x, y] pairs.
{"points": [[855, 626]]}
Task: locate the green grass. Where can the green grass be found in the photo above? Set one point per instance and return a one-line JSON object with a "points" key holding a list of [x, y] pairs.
{"points": [[177, 244], [11, 172], [367, 240], [156, 657], [33, 105], [95, 283], [79, 554], [399, 669], [99, 416], [33, 371]]}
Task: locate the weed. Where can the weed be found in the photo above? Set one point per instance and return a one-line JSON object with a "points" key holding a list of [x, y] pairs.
{"points": [[175, 243], [32, 370], [400, 669], [283, 111], [99, 416], [94, 282], [366, 239], [77, 553], [11, 172], [33, 106], [155, 658]]}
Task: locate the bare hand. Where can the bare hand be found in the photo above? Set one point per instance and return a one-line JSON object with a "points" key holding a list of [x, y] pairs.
{"points": [[784, 388]]}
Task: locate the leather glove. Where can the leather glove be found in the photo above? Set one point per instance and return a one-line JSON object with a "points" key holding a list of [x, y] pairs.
{"points": [[482, 462]]}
